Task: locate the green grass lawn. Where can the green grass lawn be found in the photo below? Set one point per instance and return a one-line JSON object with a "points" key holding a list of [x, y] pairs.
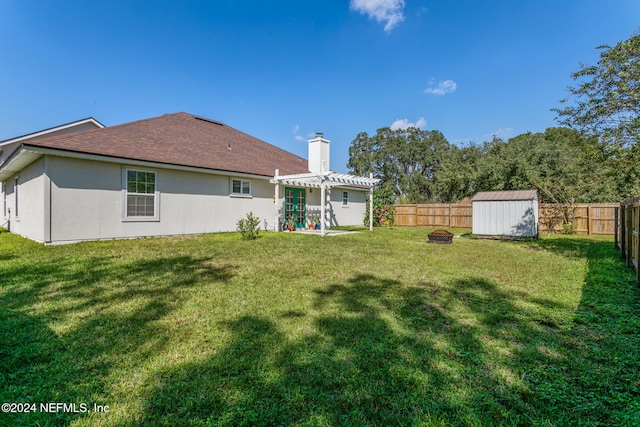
{"points": [[363, 329]]}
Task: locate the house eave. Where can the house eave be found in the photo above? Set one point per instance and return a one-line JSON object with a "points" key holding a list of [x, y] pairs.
{"points": [[28, 154], [20, 160], [51, 130]]}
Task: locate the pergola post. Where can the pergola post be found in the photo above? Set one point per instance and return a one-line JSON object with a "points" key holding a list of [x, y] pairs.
{"points": [[323, 208], [276, 222], [371, 204]]}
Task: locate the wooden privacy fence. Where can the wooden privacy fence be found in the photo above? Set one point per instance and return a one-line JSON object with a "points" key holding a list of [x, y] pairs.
{"points": [[451, 215], [627, 237], [590, 218]]}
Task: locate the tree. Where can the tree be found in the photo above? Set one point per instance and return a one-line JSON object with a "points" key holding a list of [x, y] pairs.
{"points": [[458, 176], [607, 99], [561, 164], [406, 160], [505, 165]]}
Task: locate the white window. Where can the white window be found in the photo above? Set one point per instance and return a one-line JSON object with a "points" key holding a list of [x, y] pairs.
{"points": [[140, 194], [240, 187], [4, 198], [345, 198]]}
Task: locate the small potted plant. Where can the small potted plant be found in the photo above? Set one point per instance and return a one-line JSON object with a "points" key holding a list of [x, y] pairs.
{"points": [[291, 222], [312, 222]]}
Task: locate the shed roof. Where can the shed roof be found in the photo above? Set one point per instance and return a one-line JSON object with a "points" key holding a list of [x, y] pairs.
{"points": [[488, 196], [181, 139]]}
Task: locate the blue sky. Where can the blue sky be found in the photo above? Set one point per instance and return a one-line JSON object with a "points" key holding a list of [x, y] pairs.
{"points": [[281, 71]]}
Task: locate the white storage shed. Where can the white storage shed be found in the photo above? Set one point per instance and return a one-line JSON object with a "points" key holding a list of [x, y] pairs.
{"points": [[505, 213]]}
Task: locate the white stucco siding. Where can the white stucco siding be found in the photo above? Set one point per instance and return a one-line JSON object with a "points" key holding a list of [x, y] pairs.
{"points": [[64, 199], [86, 199], [188, 201], [88, 202], [353, 212], [313, 203], [30, 218], [227, 209]]}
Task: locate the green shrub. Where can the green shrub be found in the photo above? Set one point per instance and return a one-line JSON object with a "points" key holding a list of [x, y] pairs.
{"points": [[248, 227], [383, 208], [568, 228]]}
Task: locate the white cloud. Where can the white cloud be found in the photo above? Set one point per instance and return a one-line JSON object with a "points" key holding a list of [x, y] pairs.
{"points": [[502, 133], [442, 87], [388, 11], [295, 131], [405, 123]]}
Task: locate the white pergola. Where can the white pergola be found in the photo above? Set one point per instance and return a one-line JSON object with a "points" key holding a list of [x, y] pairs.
{"points": [[325, 180]]}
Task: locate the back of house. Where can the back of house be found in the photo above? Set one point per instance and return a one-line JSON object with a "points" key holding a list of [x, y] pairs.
{"points": [[174, 174]]}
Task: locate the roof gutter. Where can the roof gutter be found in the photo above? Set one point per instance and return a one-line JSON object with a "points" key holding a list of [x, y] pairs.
{"points": [[20, 159]]}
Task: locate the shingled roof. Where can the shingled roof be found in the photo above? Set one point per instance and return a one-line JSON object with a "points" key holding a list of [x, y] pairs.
{"points": [[181, 139]]}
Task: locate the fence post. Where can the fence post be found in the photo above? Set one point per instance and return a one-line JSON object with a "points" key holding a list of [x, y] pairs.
{"points": [[628, 220], [637, 225], [627, 213], [629, 225], [589, 214], [616, 214], [623, 230]]}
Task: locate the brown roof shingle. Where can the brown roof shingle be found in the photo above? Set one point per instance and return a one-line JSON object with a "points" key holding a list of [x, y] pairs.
{"points": [[182, 139]]}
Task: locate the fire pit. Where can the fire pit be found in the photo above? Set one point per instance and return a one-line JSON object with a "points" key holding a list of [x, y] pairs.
{"points": [[442, 237]]}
